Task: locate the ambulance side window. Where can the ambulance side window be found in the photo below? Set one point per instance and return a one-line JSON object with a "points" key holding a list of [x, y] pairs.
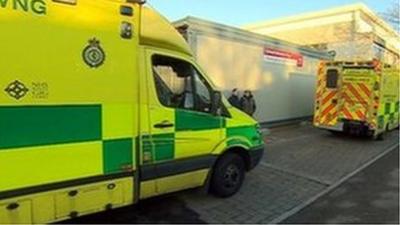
{"points": [[179, 85], [203, 94], [332, 77]]}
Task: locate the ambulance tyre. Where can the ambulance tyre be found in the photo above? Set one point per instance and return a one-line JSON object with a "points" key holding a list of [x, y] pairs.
{"points": [[228, 175], [381, 136], [335, 132]]}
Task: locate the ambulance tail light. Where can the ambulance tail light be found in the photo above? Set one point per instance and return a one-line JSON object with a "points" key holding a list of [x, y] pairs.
{"points": [[376, 106], [376, 86]]}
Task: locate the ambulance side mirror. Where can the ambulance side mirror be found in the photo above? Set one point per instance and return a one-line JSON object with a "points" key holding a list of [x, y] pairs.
{"points": [[216, 103]]}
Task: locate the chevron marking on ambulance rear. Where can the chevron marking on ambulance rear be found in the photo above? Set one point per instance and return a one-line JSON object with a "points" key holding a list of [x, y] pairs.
{"points": [[347, 114], [331, 117], [360, 115], [355, 95], [365, 89], [328, 97], [328, 109], [320, 92]]}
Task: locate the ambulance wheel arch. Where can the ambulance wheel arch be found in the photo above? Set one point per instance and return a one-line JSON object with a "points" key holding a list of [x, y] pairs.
{"points": [[241, 151], [241, 148]]}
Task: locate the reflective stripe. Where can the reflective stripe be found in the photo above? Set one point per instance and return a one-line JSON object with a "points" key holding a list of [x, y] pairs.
{"points": [[356, 94], [328, 109], [365, 89], [347, 114], [360, 115], [27, 126], [329, 97]]}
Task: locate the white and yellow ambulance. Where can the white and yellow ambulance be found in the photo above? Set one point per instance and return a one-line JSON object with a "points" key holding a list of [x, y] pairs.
{"points": [[361, 98], [101, 105]]}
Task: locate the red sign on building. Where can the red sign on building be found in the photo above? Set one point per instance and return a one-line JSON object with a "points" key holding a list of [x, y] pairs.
{"points": [[283, 57]]}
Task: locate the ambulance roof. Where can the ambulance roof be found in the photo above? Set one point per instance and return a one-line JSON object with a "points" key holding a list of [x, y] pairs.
{"points": [[157, 31]]}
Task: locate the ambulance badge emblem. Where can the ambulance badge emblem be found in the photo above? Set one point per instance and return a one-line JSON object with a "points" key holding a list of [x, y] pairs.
{"points": [[93, 55]]}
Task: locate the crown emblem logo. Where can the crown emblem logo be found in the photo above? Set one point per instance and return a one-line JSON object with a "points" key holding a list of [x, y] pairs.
{"points": [[93, 55]]}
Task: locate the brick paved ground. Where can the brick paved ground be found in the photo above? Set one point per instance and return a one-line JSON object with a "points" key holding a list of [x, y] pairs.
{"points": [[300, 162], [321, 155], [265, 194], [370, 197]]}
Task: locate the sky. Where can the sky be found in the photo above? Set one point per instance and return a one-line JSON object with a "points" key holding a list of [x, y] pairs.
{"points": [[241, 12]]}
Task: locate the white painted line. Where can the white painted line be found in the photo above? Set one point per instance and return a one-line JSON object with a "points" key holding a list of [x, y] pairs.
{"points": [[332, 187]]}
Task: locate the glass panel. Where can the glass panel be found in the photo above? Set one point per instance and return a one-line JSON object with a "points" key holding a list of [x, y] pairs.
{"points": [[332, 77], [180, 85], [203, 95], [173, 80]]}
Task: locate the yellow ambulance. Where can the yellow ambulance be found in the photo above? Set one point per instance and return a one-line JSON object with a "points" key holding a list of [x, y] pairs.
{"points": [[360, 98], [101, 105]]}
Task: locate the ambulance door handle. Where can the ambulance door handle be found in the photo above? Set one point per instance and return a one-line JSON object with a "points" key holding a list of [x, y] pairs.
{"points": [[164, 124], [334, 101], [12, 206]]}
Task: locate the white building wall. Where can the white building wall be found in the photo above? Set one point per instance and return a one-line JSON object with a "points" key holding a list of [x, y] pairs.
{"points": [[282, 91]]}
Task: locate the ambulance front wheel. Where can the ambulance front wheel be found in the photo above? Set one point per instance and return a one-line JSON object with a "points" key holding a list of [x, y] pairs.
{"points": [[228, 175]]}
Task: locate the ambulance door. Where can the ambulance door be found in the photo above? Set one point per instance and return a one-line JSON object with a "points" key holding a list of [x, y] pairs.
{"points": [[183, 130], [328, 97], [357, 90]]}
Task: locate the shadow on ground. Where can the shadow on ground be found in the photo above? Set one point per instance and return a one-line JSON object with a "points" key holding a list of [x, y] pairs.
{"points": [[160, 210]]}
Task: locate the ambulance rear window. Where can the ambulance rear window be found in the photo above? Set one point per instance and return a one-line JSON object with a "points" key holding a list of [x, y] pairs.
{"points": [[332, 77]]}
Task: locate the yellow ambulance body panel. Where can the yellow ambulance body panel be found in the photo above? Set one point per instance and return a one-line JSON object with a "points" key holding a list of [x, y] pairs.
{"points": [[102, 104], [357, 97]]}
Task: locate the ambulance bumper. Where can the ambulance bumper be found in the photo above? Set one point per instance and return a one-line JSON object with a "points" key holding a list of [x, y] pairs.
{"points": [[338, 127], [256, 155]]}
